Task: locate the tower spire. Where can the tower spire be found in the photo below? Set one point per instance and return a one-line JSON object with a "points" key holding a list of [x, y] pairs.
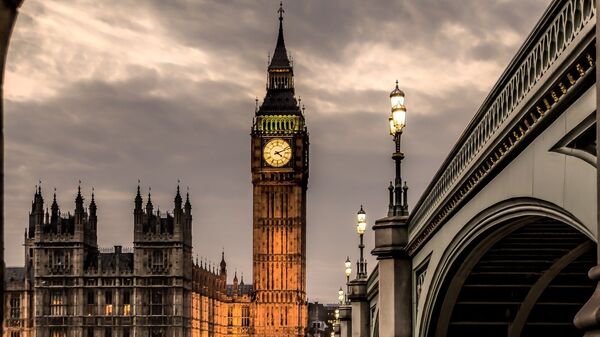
{"points": [[178, 197], [138, 198], [93, 203], [149, 206], [188, 205], [79, 200], [93, 208], [54, 206], [280, 56], [223, 265]]}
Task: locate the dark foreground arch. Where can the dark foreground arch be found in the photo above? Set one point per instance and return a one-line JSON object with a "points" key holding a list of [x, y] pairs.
{"points": [[524, 277]]}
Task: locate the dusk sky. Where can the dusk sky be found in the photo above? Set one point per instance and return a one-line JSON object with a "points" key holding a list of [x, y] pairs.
{"points": [[109, 92]]}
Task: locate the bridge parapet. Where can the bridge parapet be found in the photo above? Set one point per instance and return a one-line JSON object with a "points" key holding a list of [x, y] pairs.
{"points": [[560, 31]]}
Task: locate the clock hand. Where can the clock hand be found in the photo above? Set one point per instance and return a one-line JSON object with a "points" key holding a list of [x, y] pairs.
{"points": [[279, 152]]}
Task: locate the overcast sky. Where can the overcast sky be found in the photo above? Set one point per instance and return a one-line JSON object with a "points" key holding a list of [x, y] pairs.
{"points": [[110, 92]]}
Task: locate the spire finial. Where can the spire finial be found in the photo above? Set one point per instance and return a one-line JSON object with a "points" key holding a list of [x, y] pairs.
{"points": [[40, 187], [397, 84], [280, 11]]}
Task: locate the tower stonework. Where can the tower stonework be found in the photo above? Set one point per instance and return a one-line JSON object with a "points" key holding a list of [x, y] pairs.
{"points": [[279, 162]]}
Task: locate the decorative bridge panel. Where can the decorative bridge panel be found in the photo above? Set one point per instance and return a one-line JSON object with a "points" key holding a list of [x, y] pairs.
{"points": [[553, 38]]}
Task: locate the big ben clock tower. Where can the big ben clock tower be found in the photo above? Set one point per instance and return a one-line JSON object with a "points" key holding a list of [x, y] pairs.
{"points": [[279, 178]]}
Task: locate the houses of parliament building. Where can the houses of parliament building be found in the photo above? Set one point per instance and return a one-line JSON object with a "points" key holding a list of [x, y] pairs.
{"points": [[69, 287]]}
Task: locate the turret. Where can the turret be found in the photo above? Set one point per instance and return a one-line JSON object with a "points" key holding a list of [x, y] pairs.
{"points": [[93, 216], [178, 212], [149, 207], [138, 212], [54, 210], [188, 205], [178, 200], [223, 271], [79, 210], [36, 217], [235, 284]]}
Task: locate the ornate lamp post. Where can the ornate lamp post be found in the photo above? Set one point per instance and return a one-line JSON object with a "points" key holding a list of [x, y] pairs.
{"points": [[391, 238], [341, 296], [397, 120], [361, 226], [347, 271]]}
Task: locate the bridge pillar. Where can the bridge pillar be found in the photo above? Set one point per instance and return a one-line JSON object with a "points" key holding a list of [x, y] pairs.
{"points": [[8, 15], [395, 276], [345, 327], [588, 318], [360, 307]]}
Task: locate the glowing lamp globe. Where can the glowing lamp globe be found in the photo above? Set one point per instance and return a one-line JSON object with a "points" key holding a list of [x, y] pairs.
{"points": [[348, 266], [361, 225], [397, 97], [397, 119]]}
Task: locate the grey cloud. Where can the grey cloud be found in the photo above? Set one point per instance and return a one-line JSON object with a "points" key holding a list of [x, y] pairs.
{"points": [[161, 124]]}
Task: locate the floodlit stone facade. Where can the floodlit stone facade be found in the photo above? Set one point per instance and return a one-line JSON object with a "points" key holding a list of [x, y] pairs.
{"points": [[70, 287]]}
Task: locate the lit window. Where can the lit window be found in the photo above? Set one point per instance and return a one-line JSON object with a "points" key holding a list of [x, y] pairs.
{"points": [[127, 303], [108, 307], [57, 305], [245, 316], [57, 333]]}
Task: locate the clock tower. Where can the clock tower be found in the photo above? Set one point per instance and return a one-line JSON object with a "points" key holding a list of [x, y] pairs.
{"points": [[279, 161]]}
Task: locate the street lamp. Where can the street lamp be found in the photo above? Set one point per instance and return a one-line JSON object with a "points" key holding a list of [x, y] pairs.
{"points": [[341, 295], [397, 120], [348, 271], [361, 226]]}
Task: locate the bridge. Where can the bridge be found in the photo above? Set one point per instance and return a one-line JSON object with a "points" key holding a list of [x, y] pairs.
{"points": [[501, 241]]}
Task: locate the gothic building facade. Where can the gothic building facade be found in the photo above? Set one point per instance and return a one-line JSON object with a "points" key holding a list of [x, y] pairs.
{"points": [[71, 287]]}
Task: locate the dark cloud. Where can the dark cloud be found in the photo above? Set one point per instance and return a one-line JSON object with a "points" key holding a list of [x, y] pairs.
{"points": [[97, 94]]}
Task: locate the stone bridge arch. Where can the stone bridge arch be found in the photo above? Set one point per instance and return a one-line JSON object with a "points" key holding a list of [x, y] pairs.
{"points": [[479, 289]]}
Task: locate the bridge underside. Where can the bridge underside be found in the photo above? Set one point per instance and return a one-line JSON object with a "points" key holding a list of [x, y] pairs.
{"points": [[530, 282]]}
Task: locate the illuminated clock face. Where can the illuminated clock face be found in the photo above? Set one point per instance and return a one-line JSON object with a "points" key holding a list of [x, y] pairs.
{"points": [[277, 152]]}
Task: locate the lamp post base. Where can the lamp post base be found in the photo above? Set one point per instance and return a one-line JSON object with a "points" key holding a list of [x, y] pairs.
{"points": [[345, 321], [395, 276], [360, 307]]}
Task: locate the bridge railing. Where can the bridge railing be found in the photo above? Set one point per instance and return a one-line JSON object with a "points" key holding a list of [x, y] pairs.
{"points": [[562, 23]]}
